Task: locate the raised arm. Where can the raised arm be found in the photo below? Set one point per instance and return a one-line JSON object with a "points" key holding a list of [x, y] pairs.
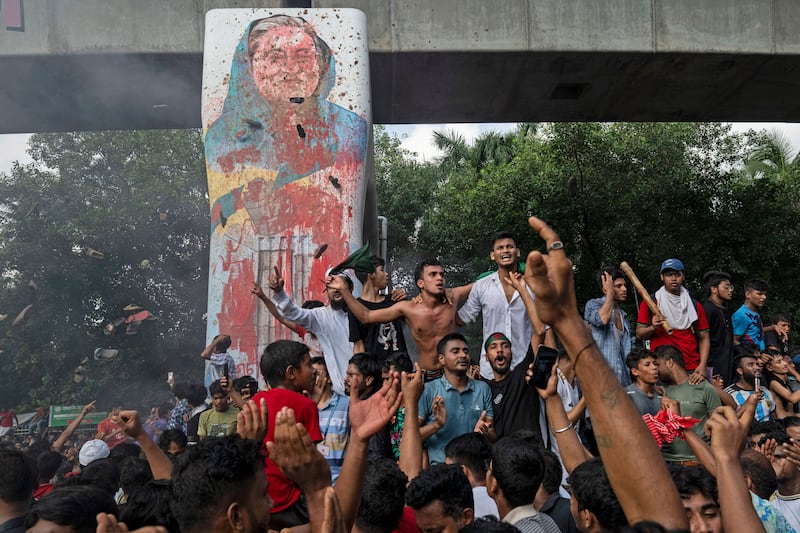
{"points": [[364, 315], [160, 464], [641, 480], [273, 310], [286, 307], [367, 418], [570, 448], [208, 350], [411, 442], [599, 315], [539, 329], [59, 442]]}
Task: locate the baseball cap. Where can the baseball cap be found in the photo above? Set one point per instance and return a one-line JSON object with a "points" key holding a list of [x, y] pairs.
{"points": [[672, 264], [93, 450]]}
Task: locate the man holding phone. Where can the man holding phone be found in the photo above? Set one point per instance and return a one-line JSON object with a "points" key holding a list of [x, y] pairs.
{"points": [[516, 405]]}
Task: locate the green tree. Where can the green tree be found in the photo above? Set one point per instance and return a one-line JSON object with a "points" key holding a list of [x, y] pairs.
{"points": [[137, 197]]}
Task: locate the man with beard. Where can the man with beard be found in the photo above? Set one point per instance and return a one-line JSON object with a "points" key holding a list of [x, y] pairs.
{"points": [[455, 403], [515, 403], [747, 368], [429, 318], [328, 324], [697, 401], [684, 314]]}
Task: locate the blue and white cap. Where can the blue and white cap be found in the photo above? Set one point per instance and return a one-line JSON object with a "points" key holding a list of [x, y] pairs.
{"points": [[672, 264]]}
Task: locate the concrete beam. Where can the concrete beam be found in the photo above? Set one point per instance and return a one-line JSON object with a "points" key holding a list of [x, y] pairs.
{"points": [[116, 64]]}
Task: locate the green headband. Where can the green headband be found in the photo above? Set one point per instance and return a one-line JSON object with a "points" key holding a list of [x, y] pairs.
{"points": [[497, 336]]}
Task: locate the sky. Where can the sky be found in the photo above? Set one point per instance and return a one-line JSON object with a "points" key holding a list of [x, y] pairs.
{"points": [[417, 138]]}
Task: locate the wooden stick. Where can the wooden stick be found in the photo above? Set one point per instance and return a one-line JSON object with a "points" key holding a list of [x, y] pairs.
{"points": [[626, 268]]}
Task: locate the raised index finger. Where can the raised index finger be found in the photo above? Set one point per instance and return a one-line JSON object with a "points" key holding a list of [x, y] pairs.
{"points": [[548, 234], [277, 272]]}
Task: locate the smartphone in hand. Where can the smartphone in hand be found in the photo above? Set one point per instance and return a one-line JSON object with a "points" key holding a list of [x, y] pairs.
{"points": [[546, 357]]}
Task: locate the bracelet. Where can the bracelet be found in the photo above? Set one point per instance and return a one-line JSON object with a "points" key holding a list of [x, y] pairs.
{"points": [[577, 355], [562, 430]]}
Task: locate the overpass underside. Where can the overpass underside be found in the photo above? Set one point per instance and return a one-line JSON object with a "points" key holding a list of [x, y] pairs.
{"points": [[162, 90]]}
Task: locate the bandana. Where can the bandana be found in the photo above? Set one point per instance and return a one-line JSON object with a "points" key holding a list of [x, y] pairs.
{"points": [[666, 426], [496, 336]]}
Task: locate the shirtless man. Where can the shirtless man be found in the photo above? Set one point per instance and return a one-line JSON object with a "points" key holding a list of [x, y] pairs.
{"points": [[429, 320]]}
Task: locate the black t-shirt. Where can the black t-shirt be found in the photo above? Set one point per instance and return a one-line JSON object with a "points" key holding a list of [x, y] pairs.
{"points": [[515, 403], [380, 339], [720, 332]]}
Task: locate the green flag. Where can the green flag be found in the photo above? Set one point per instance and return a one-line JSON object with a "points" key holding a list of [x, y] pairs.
{"points": [[360, 261]]}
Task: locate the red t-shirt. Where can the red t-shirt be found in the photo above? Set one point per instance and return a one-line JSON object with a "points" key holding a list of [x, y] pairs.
{"points": [[7, 418], [282, 491], [683, 339], [407, 522], [107, 427]]}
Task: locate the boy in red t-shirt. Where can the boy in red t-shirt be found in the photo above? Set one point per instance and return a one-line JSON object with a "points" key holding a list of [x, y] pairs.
{"points": [[286, 367]]}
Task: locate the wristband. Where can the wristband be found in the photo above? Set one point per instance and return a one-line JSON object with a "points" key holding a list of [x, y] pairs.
{"points": [[562, 430]]}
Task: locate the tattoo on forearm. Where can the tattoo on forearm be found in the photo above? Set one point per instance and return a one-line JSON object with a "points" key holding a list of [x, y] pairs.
{"points": [[603, 441], [611, 397]]}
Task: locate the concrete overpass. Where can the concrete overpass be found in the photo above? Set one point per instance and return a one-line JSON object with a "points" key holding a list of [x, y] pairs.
{"points": [[122, 64]]}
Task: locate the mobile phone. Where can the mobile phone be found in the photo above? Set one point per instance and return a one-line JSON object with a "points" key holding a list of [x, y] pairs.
{"points": [[225, 372], [546, 357], [757, 383], [170, 376]]}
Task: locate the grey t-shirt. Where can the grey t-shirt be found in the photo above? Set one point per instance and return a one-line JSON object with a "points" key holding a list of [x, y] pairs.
{"points": [[643, 402]]}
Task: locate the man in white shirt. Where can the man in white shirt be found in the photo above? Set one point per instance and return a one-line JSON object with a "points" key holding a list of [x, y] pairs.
{"points": [[329, 324], [495, 297]]}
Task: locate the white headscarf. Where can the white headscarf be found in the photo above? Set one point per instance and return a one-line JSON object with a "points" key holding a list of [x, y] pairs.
{"points": [[679, 310]]}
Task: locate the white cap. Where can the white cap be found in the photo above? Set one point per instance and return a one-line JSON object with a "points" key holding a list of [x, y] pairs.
{"points": [[93, 450]]}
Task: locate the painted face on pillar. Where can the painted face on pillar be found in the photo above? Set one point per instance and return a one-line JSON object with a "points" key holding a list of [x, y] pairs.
{"points": [[673, 280], [498, 353], [285, 64]]}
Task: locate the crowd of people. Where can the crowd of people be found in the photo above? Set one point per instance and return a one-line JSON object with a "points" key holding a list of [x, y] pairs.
{"points": [[344, 432]]}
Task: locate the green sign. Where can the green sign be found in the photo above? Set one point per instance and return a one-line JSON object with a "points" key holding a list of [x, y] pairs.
{"points": [[62, 415]]}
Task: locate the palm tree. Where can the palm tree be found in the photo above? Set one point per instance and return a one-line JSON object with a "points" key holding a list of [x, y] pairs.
{"points": [[773, 155]]}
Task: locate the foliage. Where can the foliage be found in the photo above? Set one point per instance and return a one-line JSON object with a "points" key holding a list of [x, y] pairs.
{"points": [[639, 192], [139, 198]]}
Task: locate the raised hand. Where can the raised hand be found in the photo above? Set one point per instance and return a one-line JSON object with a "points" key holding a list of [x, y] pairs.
{"points": [[130, 423], [516, 280], [251, 422], [439, 411], [276, 280], [295, 453], [89, 407], [552, 382], [483, 425], [257, 290], [550, 278], [367, 417], [411, 385]]}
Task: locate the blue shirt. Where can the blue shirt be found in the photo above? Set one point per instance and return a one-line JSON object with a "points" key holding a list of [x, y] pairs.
{"points": [[334, 425], [615, 347], [748, 327], [764, 408], [464, 409]]}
